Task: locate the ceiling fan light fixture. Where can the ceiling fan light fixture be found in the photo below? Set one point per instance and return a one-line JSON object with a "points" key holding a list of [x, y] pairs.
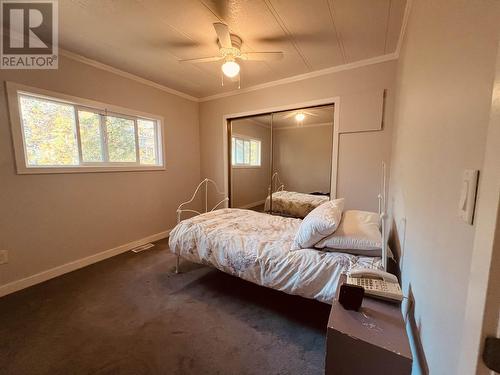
{"points": [[230, 68], [300, 117]]}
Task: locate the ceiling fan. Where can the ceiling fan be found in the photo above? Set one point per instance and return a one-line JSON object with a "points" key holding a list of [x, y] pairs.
{"points": [[230, 52]]}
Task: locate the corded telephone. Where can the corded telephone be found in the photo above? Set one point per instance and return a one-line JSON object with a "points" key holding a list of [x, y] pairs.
{"points": [[376, 283]]}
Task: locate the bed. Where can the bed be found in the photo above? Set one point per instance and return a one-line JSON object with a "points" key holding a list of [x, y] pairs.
{"points": [[291, 203], [256, 247]]}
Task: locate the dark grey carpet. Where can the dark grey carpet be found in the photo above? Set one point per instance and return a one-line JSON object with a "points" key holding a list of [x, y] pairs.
{"points": [[132, 315]]}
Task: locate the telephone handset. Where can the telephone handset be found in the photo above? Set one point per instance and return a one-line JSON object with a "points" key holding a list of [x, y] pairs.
{"points": [[376, 283]]}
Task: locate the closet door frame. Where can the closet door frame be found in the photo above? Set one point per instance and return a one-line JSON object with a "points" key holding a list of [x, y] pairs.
{"points": [[226, 135]]}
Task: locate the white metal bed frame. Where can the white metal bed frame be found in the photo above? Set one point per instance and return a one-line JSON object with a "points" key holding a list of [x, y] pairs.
{"points": [[382, 199], [181, 209], [280, 185], [275, 182]]}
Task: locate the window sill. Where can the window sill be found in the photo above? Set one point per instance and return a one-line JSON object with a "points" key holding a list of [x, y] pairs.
{"points": [[87, 169], [246, 166]]}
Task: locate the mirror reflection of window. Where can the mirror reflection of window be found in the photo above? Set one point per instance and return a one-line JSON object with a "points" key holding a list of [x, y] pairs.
{"points": [[250, 162], [246, 152]]}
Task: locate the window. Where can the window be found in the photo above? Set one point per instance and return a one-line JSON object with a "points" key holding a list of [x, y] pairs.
{"points": [[245, 151], [54, 134]]}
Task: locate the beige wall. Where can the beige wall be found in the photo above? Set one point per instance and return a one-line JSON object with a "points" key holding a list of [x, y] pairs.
{"points": [[445, 77], [360, 153], [50, 220], [484, 280], [250, 185], [302, 157]]}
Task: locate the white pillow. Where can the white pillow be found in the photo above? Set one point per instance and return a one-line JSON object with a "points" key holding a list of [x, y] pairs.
{"points": [[319, 223], [358, 233]]}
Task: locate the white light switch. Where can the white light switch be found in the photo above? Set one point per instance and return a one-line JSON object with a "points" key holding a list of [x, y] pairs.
{"points": [[4, 256], [467, 201]]}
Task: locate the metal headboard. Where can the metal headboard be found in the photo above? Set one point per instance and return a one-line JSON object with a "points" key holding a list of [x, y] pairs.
{"points": [[204, 183], [275, 181]]}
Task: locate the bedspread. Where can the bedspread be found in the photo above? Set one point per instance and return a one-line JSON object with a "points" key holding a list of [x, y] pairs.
{"points": [[256, 247]]}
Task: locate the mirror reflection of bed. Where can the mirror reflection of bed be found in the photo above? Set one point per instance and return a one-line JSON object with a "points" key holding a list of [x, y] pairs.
{"points": [[302, 158]]}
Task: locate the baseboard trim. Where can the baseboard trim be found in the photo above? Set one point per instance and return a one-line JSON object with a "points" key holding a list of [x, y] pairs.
{"points": [[253, 204], [40, 277]]}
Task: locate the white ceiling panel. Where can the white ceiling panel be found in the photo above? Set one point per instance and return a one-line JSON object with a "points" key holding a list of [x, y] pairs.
{"points": [[149, 37], [310, 27], [362, 25], [396, 14]]}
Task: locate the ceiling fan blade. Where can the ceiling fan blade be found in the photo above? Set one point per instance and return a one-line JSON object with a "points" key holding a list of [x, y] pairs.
{"points": [[223, 34], [262, 56], [202, 59]]}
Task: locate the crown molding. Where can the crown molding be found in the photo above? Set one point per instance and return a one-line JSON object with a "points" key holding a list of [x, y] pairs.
{"points": [[301, 77], [133, 77]]}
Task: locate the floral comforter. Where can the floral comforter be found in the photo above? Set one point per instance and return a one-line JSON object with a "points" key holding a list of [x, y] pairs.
{"points": [[291, 203], [256, 247]]}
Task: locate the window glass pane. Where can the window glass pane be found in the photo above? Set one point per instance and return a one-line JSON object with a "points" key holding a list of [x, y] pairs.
{"points": [[49, 132], [90, 136], [239, 151], [147, 141], [233, 158], [247, 152], [255, 152], [121, 139]]}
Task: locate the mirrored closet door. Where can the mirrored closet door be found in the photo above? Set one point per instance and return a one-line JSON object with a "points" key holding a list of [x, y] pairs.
{"points": [[302, 160], [250, 161], [281, 162]]}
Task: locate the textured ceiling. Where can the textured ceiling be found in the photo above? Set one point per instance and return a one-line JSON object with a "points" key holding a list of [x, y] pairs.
{"points": [[148, 37]]}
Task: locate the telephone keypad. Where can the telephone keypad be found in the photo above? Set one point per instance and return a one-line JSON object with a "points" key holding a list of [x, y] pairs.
{"points": [[378, 288]]}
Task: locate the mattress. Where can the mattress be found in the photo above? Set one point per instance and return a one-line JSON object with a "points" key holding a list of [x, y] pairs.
{"points": [[256, 247], [293, 204]]}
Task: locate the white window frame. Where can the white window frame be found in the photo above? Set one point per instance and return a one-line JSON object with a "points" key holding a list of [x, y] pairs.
{"points": [[246, 138], [15, 90]]}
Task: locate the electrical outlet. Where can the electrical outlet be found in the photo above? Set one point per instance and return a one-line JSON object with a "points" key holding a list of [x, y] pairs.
{"points": [[4, 256]]}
